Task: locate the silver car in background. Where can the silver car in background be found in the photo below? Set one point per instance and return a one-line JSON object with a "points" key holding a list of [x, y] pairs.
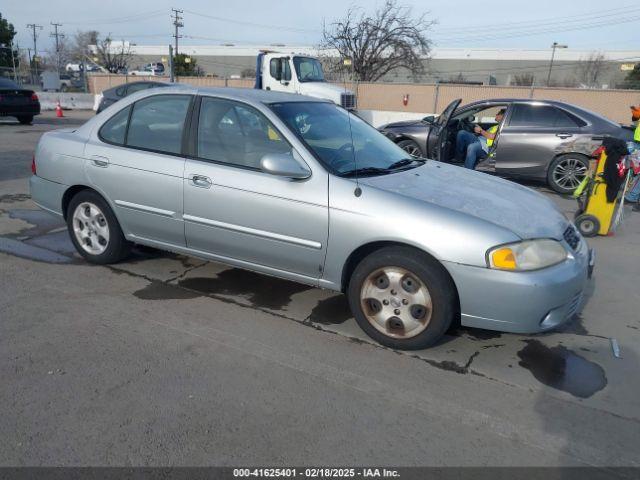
{"points": [[301, 189]]}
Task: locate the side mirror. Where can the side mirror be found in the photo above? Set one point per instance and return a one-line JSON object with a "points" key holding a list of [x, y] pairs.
{"points": [[284, 165], [429, 119]]}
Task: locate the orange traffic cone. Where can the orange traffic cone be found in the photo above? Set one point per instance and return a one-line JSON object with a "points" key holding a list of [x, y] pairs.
{"points": [[59, 110]]}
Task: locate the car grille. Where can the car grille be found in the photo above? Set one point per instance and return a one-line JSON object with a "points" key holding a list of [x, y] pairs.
{"points": [[571, 237], [574, 305], [348, 100]]}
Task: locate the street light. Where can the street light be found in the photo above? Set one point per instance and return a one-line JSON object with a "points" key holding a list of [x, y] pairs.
{"points": [[553, 54]]}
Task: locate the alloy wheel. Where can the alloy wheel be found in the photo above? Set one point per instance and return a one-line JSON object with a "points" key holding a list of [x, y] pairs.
{"points": [[91, 228], [569, 172]]}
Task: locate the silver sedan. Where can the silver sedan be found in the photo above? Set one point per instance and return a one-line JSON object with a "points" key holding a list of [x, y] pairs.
{"points": [[299, 188]]}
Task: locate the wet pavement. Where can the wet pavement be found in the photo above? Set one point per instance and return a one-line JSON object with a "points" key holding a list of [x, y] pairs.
{"points": [[571, 371]]}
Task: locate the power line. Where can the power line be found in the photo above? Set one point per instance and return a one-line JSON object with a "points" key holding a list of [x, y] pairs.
{"points": [[252, 24]]}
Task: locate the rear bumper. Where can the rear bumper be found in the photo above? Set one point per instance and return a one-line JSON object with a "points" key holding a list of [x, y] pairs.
{"points": [[19, 110], [47, 194], [523, 302]]}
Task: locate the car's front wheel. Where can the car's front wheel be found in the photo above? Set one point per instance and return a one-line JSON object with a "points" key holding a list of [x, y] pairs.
{"points": [[402, 298], [566, 172], [94, 229], [411, 147]]}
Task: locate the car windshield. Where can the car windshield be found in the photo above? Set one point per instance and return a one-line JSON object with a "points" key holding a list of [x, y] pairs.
{"points": [[308, 69], [343, 142]]}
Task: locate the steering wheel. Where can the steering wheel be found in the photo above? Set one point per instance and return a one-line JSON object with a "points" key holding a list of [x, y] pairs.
{"points": [[466, 124]]}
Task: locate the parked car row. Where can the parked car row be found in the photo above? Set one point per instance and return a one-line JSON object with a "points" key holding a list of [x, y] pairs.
{"points": [[299, 188], [538, 139]]}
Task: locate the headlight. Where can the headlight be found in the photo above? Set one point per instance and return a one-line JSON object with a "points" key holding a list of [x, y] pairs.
{"points": [[526, 255]]}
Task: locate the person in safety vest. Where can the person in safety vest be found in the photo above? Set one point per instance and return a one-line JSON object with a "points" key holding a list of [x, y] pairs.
{"points": [[473, 147], [633, 195]]}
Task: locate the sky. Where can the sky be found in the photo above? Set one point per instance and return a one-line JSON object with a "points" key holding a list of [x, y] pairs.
{"points": [[584, 25]]}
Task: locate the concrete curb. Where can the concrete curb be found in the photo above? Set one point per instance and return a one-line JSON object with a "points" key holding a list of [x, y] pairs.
{"points": [[73, 101]]}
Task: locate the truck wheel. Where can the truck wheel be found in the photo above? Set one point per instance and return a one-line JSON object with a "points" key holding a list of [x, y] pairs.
{"points": [[94, 229], [402, 298], [566, 172], [588, 225], [410, 147]]}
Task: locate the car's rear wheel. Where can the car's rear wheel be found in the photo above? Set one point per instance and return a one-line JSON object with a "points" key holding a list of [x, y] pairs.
{"points": [[94, 229], [25, 119], [411, 147], [402, 298], [566, 172]]}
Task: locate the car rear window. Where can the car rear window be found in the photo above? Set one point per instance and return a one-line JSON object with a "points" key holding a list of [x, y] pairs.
{"points": [[541, 116], [6, 83], [115, 129]]}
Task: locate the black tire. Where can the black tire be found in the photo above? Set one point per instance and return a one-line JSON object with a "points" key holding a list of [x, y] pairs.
{"points": [[25, 119], [410, 146], [588, 225], [117, 247], [581, 163], [432, 275]]}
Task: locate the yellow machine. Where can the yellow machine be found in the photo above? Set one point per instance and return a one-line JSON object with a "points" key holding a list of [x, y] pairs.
{"points": [[595, 213]]}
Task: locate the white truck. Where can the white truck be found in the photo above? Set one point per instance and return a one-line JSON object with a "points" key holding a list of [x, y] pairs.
{"points": [[300, 74]]}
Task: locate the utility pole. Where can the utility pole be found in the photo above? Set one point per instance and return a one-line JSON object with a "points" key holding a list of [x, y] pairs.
{"points": [[57, 36], [34, 27], [172, 77], [13, 60], [553, 54], [177, 23]]}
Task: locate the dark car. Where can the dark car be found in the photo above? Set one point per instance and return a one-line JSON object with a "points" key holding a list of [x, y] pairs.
{"points": [[111, 96], [538, 139], [18, 102]]}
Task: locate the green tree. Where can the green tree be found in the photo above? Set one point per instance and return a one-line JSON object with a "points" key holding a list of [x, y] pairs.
{"points": [[7, 32], [633, 78], [186, 66]]}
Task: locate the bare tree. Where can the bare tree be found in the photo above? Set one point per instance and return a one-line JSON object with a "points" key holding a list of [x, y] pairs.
{"points": [[523, 80], [459, 78], [248, 73], [590, 70], [80, 47], [390, 39], [115, 58]]}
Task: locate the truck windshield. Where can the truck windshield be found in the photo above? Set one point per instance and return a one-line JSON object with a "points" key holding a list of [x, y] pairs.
{"points": [[328, 130], [308, 69]]}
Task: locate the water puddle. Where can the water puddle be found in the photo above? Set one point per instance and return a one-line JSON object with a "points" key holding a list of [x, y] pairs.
{"points": [[31, 252], [164, 291], [59, 242], [331, 311], [261, 290], [560, 368], [14, 197], [42, 221]]}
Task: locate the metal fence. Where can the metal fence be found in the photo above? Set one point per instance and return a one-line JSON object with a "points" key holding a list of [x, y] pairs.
{"points": [[425, 98]]}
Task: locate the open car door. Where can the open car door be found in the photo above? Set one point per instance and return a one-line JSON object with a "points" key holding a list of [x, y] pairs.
{"points": [[438, 139]]}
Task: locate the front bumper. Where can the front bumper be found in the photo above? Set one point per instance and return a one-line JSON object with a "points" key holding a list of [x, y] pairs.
{"points": [[523, 302]]}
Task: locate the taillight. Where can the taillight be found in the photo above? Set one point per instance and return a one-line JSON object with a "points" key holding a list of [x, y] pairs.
{"points": [[33, 164], [34, 97]]}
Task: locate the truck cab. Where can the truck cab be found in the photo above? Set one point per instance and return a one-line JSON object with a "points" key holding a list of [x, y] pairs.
{"points": [[300, 74]]}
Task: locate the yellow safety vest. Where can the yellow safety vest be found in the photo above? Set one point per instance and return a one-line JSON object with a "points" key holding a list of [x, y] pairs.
{"points": [[636, 135], [494, 129]]}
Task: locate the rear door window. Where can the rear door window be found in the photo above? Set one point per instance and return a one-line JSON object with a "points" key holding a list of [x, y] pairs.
{"points": [[115, 129], [541, 116], [157, 123]]}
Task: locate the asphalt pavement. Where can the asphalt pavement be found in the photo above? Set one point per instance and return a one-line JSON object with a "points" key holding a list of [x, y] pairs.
{"points": [[170, 360]]}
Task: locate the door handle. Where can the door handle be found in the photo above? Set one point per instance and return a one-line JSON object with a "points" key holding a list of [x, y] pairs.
{"points": [[200, 181], [564, 135], [100, 161]]}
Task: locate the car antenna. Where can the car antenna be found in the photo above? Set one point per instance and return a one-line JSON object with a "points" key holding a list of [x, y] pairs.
{"points": [[358, 191]]}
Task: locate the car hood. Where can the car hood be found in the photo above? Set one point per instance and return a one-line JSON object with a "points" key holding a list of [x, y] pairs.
{"points": [[403, 123], [521, 210]]}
